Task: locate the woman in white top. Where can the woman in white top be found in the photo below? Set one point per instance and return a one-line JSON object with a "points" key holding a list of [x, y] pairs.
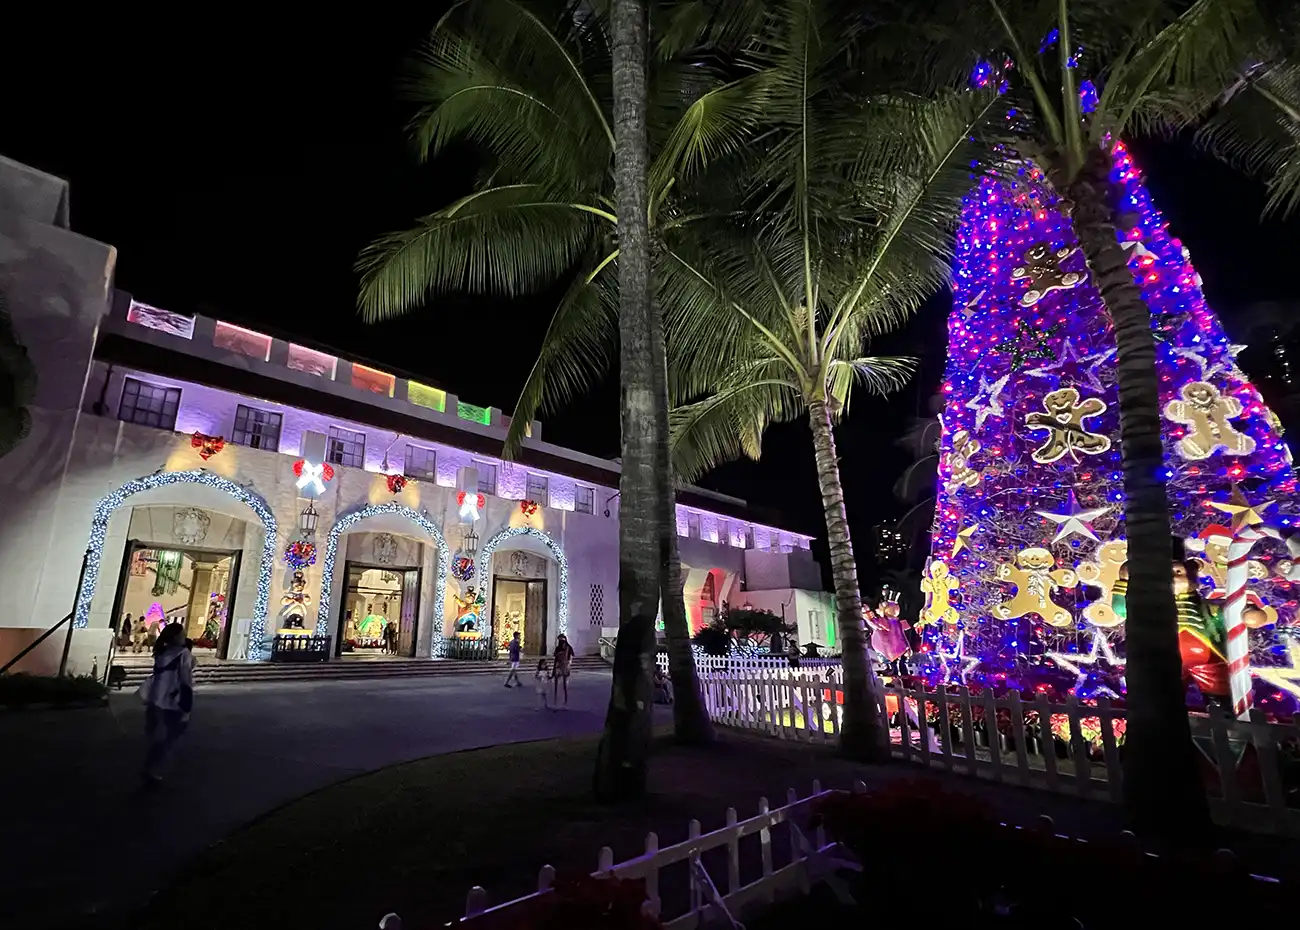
{"points": [[168, 696]]}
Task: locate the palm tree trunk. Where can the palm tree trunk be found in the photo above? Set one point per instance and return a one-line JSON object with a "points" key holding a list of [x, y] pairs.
{"points": [[862, 736], [691, 724], [623, 756], [1162, 786]]}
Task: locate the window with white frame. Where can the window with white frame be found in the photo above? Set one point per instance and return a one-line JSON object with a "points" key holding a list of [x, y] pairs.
{"points": [[538, 490], [487, 478], [421, 463], [149, 405], [257, 429], [584, 499], [346, 447]]}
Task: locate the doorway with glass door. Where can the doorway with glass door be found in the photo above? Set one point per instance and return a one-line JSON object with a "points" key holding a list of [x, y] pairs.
{"points": [[380, 611], [519, 605], [189, 586]]}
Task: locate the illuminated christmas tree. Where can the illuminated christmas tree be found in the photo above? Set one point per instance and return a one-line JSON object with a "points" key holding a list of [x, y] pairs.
{"points": [[1025, 583]]}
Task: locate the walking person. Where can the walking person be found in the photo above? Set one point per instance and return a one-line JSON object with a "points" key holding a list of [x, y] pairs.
{"points": [[168, 695], [539, 684], [560, 672], [516, 648]]}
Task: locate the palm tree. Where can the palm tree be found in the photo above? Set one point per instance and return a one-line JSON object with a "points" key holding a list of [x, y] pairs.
{"points": [[1156, 64], [837, 237], [529, 83]]}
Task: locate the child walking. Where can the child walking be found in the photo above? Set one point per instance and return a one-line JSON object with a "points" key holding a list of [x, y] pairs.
{"points": [[539, 684]]}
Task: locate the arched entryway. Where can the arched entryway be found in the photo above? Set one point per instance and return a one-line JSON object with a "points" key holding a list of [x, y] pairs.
{"points": [[346, 522], [552, 549], [111, 502]]}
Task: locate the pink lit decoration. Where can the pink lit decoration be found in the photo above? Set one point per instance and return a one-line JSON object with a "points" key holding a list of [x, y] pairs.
{"points": [[208, 446], [396, 483], [1029, 340], [244, 341], [528, 508]]}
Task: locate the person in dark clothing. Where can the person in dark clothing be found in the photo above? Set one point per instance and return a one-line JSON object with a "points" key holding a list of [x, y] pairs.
{"points": [[516, 648]]}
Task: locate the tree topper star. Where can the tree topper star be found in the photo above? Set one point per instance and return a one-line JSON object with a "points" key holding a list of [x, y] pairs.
{"points": [[1075, 521]]}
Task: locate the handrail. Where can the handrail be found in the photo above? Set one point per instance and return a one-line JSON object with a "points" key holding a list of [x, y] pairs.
{"points": [[32, 645]]}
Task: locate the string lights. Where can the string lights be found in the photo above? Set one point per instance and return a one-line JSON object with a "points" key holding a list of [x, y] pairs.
{"points": [[344, 523], [1003, 488], [109, 503], [513, 532]]}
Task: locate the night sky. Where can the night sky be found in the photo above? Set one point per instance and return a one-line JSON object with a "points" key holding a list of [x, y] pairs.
{"points": [[239, 164]]}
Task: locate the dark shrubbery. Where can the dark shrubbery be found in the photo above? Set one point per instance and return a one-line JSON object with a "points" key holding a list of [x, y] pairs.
{"points": [[21, 690]]}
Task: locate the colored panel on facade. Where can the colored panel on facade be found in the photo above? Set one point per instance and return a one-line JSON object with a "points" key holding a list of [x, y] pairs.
{"points": [[424, 396], [373, 380], [165, 321], [244, 341], [312, 362], [474, 414]]}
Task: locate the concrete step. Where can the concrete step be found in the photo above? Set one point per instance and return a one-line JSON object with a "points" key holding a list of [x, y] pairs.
{"points": [[233, 672]]}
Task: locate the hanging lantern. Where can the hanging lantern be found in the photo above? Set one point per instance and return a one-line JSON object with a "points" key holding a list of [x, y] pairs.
{"points": [[307, 521], [469, 541]]}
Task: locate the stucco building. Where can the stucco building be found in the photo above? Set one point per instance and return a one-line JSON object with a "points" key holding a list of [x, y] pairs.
{"points": [[185, 469]]}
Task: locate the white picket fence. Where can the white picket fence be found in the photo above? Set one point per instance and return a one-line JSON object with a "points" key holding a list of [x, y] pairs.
{"points": [[808, 858], [707, 664], [1249, 757]]}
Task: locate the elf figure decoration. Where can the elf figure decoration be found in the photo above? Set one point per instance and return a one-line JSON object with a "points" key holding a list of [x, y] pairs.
{"points": [[1042, 575]]}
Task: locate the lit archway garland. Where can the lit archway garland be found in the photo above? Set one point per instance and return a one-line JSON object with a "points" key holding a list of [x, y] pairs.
{"points": [[99, 529], [346, 522], [510, 532]]}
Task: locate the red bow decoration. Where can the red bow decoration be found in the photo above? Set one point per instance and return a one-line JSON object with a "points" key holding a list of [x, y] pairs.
{"points": [[528, 507], [460, 499], [396, 483], [208, 446]]}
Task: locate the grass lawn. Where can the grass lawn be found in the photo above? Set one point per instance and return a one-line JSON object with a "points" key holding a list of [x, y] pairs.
{"points": [[414, 838]]}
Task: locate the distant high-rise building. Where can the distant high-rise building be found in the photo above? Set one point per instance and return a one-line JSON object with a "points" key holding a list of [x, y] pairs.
{"points": [[887, 546]]}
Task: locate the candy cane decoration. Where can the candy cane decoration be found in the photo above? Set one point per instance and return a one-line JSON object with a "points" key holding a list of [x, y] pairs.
{"points": [[1247, 529]]}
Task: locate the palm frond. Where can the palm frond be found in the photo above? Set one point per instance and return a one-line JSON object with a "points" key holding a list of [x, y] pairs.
{"points": [[577, 350], [730, 424], [1258, 130], [502, 240], [879, 375]]}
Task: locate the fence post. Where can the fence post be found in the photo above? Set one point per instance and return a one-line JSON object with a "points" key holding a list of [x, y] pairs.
{"points": [[652, 873], [545, 878], [693, 833], [390, 922], [605, 861], [765, 847], [733, 853], [476, 901]]}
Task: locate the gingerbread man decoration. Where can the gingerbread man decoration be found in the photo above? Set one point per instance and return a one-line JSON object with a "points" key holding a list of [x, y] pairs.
{"points": [[1103, 573], [1036, 581], [1063, 422], [938, 584], [1206, 413], [960, 472], [1042, 269]]}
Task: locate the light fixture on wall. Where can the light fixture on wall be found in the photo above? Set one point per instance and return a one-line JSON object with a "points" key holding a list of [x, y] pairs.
{"points": [[307, 521]]}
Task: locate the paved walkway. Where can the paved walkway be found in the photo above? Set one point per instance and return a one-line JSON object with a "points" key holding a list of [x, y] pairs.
{"points": [[85, 838]]}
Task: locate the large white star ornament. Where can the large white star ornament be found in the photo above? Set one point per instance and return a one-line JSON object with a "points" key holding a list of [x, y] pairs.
{"points": [[1087, 364], [1075, 521], [994, 405], [470, 505], [965, 664], [1100, 652]]}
